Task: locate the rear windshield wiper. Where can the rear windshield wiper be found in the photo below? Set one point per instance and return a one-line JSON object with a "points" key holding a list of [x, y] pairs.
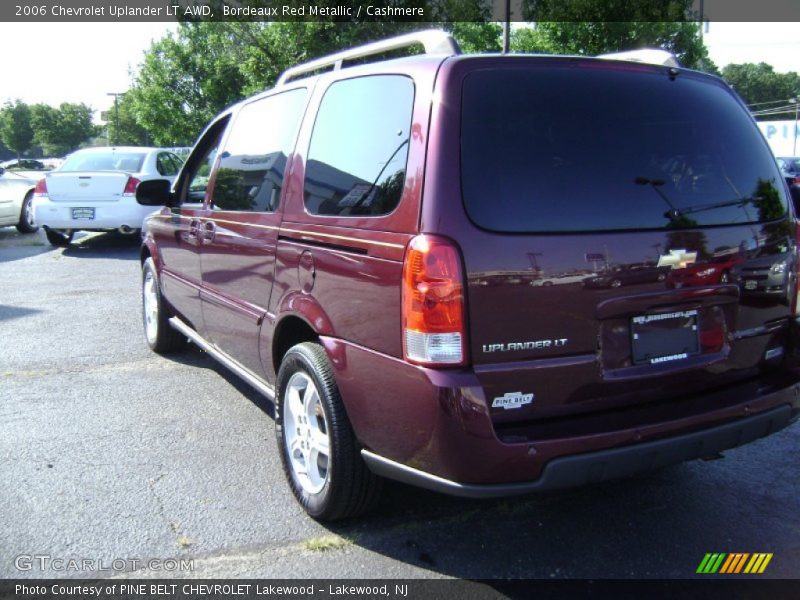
{"points": [[674, 214]]}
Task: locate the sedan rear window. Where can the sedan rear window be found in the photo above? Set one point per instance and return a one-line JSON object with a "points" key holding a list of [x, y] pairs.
{"points": [[130, 162], [582, 146]]}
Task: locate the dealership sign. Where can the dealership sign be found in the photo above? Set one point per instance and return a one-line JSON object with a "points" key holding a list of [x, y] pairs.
{"points": [[781, 136]]}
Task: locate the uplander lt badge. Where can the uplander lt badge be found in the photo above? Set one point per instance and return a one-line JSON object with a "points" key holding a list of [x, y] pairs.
{"points": [[512, 400]]}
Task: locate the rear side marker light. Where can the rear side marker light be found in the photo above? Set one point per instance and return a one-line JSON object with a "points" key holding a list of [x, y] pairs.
{"points": [[434, 322], [130, 187]]}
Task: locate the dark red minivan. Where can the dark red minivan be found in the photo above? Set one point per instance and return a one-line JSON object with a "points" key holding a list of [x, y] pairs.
{"points": [[359, 243]]}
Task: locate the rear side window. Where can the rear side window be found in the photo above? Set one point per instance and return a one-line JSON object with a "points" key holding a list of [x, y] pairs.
{"points": [[359, 147], [580, 148], [166, 165], [252, 164]]}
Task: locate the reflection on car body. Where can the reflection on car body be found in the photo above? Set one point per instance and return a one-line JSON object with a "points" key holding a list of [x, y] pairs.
{"points": [[716, 270], [629, 274], [768, 274]]}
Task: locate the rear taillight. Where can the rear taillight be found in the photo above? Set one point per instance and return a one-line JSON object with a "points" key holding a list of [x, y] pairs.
{"points": [[130, 187], [41, 188], [434, 323], [795, 181]]}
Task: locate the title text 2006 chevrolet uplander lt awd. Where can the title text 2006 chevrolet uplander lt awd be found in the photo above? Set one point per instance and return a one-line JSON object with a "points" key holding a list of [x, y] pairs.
{"points": [[362, 245]]}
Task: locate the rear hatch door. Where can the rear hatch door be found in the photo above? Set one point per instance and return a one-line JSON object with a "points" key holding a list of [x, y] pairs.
{"points": [[587, 187]]}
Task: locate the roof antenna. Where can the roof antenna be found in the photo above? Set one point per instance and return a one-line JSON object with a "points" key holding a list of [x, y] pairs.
{"points": [[507, 29]]}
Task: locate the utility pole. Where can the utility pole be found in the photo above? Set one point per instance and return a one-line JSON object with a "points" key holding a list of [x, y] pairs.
{"points": [[116, 116], [534, 262], [507, 29]]}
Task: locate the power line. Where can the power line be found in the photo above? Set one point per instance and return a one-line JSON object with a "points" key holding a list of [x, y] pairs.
{"points": [[770, 102], [778, 110]]}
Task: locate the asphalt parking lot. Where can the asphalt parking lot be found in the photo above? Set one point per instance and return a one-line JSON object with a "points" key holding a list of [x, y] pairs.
{"points": [[108, 452]]}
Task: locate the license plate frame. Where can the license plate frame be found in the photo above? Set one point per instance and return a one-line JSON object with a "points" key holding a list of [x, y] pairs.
{"points": [[665, 337], [80, 213]]}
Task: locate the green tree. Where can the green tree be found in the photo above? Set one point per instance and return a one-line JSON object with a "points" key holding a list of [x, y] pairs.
{"points": [[532, 40], [16, 131], [122, 127], [760, 86], [62, 130], [187, 78], [592, 27]]}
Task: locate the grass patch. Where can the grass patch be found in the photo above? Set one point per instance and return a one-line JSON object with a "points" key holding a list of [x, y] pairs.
{"points": [[325, 543], [183, 541]]}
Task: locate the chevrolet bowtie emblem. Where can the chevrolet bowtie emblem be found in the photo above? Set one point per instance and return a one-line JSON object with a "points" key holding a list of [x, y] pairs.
{"points": [[677, 259]]}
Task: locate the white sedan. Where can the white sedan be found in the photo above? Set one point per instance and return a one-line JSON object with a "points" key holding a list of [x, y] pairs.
{"points": [[95, 190], [16, 194]]}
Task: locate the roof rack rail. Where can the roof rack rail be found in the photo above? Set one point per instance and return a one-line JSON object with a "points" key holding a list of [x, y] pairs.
{"points": [[651, 56], [433, 40]]}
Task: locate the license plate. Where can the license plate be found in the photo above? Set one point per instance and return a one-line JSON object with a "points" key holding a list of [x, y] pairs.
{"points": [[750, 284], [665, 337], [86, 214]]}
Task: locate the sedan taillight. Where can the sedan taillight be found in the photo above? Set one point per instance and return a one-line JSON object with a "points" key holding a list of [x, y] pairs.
{"points": [[130, 187], [41, 188]]}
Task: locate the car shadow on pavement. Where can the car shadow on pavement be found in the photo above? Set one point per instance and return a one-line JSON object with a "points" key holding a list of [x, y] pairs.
{"points": [[8, 313], [650, 526], [105, 245], [193, 356]]}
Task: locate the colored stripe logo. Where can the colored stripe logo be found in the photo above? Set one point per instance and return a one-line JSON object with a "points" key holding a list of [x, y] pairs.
{"points": [[734, 563]]}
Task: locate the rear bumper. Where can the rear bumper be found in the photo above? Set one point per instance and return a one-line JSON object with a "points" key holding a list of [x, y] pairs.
{"points": [[602, 465], [433, 428], [107, 215]]}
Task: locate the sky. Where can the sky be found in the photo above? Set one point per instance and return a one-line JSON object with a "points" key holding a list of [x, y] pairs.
{"points": [[83, 62], [76, 62]]}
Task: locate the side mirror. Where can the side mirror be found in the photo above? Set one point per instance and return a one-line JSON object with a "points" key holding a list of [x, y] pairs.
{"points": [[155, 192]]}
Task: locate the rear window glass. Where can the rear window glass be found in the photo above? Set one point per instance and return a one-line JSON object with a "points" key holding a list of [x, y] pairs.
{"points": [[574, 148], [359, 147], [112, 161]]}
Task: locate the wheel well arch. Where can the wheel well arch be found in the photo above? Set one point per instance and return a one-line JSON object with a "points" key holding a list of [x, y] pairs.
{"points": [[291, 330]]}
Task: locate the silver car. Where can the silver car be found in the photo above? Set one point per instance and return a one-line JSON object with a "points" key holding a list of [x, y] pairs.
{"points": [[16, 195]]}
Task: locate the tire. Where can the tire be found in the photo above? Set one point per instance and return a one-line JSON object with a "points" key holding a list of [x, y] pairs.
{"points": [[26, 224], [320, 455], [59, 237], [160, 336]]}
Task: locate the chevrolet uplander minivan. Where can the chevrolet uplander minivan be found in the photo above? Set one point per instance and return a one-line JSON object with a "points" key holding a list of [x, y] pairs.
{"points": [[362, 244]]}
